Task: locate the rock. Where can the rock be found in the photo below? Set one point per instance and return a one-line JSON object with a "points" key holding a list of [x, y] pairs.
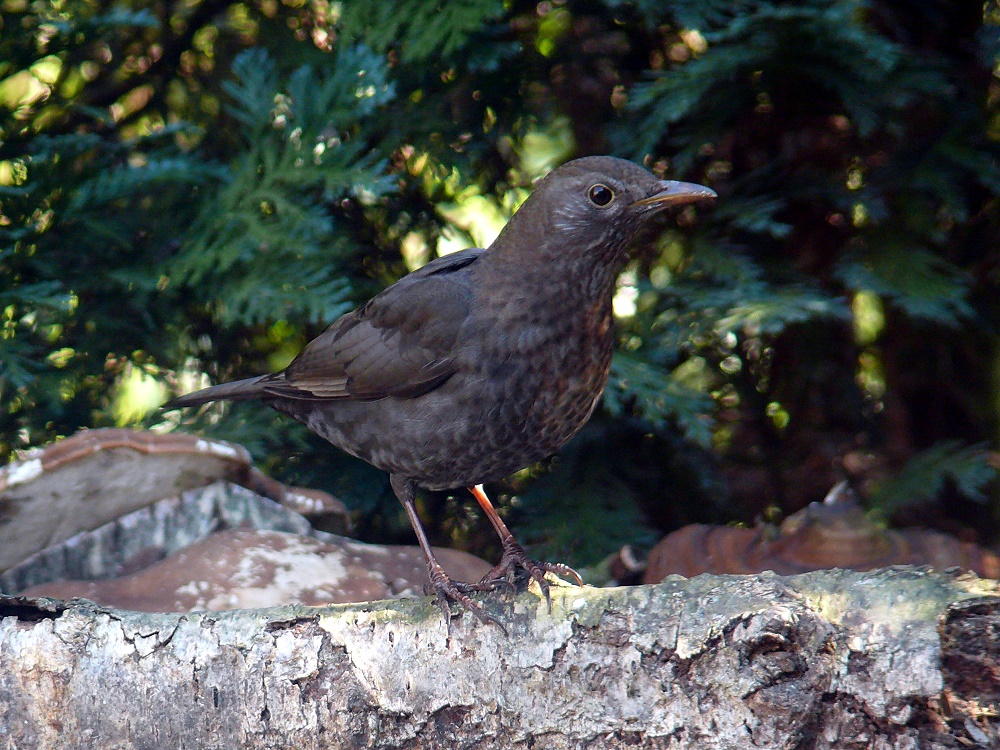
{"points": [[95, 476], [833, 534], [249, 569]]}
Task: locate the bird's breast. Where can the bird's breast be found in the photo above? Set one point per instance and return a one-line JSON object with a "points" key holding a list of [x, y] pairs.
{"points": [[549, 377]]}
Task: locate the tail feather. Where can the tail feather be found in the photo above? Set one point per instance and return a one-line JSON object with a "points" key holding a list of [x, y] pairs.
{"points": [[238, 390]]}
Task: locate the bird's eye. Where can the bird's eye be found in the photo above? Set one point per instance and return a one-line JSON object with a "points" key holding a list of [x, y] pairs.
{"points": [[601, 195]]}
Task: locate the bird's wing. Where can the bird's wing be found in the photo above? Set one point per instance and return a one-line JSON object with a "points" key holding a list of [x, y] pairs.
{"points": [[397, 344]]}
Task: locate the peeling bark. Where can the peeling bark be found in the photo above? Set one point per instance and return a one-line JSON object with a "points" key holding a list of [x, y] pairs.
{"points": [[832, 659]]}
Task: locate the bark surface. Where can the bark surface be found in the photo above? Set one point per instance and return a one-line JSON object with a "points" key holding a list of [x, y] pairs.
{"points": [[833, 659]]}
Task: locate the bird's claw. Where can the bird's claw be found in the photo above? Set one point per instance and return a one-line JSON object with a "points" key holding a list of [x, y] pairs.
{"points": [[448, 591], [514, 557], [564, 571]]}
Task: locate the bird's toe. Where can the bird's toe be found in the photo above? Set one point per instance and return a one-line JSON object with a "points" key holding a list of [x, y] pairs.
{"points": [[448, 590]]}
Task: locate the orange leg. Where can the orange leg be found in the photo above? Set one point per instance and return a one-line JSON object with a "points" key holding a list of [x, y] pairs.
{"points": [[514, 555]]}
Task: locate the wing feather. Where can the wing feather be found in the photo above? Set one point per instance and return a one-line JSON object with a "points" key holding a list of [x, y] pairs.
{"points": [[400, 343]]}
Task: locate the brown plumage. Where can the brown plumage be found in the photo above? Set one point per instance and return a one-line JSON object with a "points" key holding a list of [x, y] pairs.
{"points": [[481, 362]]}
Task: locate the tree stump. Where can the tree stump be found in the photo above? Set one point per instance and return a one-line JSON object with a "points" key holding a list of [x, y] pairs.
{"points": [[894, 658]]}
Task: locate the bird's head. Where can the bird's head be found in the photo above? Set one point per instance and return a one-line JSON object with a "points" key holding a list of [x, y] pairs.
{"points": [[594, 208]]}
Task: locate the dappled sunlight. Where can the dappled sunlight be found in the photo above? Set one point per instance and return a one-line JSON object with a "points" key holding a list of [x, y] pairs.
{"points": [[868, 317], [21, 90], [452, 240], [626, 295], [415, 250], [480, 218], [136, 394], [543, 147], [472, 217], [871, 376]]}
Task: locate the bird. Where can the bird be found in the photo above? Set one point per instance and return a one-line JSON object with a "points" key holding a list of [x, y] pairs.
{"points": [[482, 362]]}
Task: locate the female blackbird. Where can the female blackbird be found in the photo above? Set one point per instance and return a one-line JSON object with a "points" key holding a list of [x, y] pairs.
{"points": [[481, 362]]}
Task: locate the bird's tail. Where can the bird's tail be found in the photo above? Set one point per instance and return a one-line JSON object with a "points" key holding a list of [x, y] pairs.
{"points": [[238, 390]]}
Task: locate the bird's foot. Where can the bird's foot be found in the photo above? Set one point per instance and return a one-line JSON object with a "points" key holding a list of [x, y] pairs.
{"points": [[448, 590], [514, 558]]}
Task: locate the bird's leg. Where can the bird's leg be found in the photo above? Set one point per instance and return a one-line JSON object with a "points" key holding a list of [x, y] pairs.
{"points": [[445, 588], [514, 555]]}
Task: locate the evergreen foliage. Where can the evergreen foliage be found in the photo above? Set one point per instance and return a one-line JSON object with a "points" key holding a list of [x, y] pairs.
{"points": [[266, 247], [420, 29], [925, 476], [190, 191]]}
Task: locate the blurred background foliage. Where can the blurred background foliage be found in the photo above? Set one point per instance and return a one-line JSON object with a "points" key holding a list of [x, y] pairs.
{"points": [[191, 189]]}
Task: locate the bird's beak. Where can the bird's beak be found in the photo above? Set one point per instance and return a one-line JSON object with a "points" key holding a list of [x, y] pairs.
{"points": [[673, 193]]}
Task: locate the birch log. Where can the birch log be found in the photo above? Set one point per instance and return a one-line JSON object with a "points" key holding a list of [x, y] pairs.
{"points": [[833, 659]]}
